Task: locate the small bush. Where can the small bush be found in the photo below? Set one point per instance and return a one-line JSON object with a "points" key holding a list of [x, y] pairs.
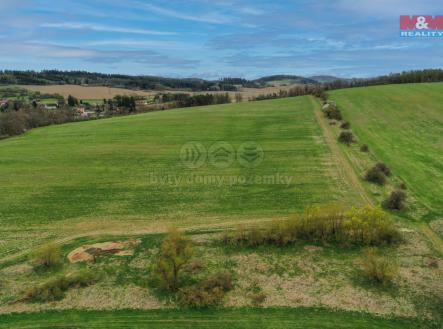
{"points": [[383, 168], [403, 186], [376, 269], [395, 200], [345, 125], [375, 175], [332, 112], [346, 137], [364, 148], [258, 298], [55, 288], [209, 292], [48, 256], [221, 279]]}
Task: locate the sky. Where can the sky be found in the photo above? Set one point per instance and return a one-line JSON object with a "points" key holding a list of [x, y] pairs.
{"points": [[213, 39]]}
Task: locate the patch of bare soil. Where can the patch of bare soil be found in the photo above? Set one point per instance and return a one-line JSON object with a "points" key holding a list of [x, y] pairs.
{"points": [[312, 248], [87, 253]]}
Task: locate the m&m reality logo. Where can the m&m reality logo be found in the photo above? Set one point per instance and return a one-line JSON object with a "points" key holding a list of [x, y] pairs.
{"points": [[421, 26]]}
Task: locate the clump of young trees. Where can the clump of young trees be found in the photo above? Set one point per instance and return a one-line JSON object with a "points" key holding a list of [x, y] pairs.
{"points": [[395, 200], [188, 100], [346, 137], [367, 226], [174, 268], [378, 173]]}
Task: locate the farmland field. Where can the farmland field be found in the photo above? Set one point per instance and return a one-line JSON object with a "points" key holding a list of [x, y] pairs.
{"points": [[403, 126], [99, 93], [93, 173], [89, 92]]}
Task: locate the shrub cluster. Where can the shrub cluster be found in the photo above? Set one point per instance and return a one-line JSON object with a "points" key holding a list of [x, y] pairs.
{"points": [[395, 200], [345, 125], [367, 226], [55, 288], [383, 168], [208, 292], [377, 269], [375, 175], [346, 137], [48, 256], [332, 112]]}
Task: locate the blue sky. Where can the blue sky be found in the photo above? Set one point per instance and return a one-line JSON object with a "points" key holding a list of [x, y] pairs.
{"points": [[213, 39]]}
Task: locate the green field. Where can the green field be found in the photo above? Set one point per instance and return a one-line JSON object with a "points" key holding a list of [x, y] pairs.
{"points": [[403, 126], [242, 318], [111, 169]]}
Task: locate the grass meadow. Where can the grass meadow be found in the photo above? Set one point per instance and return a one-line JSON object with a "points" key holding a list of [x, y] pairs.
{"points": [[241, 318], [403, 126], [120, 169]]}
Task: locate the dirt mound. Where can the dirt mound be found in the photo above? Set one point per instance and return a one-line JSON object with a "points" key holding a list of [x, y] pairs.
{"points": [[87, 253]]}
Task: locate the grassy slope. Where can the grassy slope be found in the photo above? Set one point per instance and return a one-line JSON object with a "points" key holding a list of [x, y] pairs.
{"points": [[403, 126], [101, 169], [240, 318]]}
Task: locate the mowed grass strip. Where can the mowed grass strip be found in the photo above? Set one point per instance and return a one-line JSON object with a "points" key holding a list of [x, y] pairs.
{"points": [[403, 126], [229, 318]]}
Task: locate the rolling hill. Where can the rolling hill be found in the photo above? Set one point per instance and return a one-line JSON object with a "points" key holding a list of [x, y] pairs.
{"points": [[212, 168], [94, 171], [403, 126]]}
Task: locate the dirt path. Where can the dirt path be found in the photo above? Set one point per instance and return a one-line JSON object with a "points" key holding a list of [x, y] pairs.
{"points": [[345, 169], [136, 228], [347, 172], [431, 235]]}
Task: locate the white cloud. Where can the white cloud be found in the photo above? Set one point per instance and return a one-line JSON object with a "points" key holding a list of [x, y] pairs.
{"points": [[214, 18], [141, 43], [102, 28]]}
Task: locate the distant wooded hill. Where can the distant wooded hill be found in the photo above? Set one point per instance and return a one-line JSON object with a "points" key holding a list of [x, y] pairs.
{"points": [[49, 77]]}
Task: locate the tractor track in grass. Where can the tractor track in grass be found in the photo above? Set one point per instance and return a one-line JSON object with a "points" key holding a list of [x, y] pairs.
{"points": [[347, 172], [344, 168]]}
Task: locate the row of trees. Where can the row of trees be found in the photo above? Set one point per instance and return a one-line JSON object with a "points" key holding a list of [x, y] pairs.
{"points": [[187, 100], [417, 76], [47, 77]]}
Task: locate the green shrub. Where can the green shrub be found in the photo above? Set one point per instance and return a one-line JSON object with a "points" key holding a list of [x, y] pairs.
{"points": [[383, 168], [376, 269], [175, 253], [375, 175], [258, 298], [55, 288], [345, 125], [358, 226], [48, 256], [346, 137], [209, 292], [395, 200], [332, 112]]}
